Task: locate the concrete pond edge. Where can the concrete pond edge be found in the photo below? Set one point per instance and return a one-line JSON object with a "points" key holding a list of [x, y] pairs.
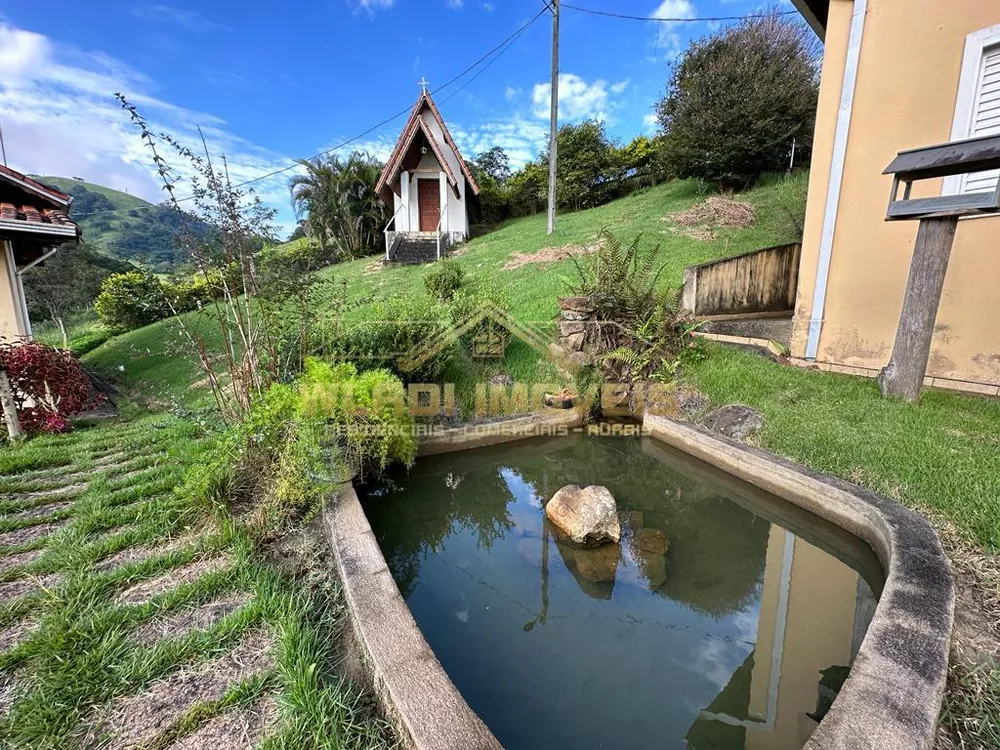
{"points": [[890, 701], [892, 698]]}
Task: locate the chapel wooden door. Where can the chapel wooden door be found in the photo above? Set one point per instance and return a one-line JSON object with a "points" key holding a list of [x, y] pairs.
{"points": [[429, 204]]}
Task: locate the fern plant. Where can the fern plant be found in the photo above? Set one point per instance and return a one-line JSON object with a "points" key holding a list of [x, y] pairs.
{"points": [[640, 329]]}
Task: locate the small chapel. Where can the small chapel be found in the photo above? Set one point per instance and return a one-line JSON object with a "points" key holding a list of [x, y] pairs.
{"points": [[427, 184]]}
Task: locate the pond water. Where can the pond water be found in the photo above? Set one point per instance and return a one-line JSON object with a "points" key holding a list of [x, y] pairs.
{"points": [[719, 621]]}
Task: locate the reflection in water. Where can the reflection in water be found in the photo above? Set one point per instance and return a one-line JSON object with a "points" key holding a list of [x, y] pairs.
{"points": [[709, 626]]}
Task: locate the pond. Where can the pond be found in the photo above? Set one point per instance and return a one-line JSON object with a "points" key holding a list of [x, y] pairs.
{"points": [[726, 618]]}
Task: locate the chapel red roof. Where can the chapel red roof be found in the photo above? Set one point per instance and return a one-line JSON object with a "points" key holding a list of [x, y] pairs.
{"points": [[414, 126]]}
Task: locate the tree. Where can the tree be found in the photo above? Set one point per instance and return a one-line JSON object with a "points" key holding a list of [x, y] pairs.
{"points": [[492, 172], [586, 158], [342, 210], [131, 300], [738, 99], [493, 164], [68, 282]]}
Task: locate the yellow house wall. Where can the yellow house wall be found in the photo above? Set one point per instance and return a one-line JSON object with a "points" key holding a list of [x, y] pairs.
{"points": [[908, 76], [10, 311]]}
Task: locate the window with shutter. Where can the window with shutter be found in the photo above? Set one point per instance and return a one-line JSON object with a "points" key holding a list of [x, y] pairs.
{"points": [[985, 116], [977, 106]]}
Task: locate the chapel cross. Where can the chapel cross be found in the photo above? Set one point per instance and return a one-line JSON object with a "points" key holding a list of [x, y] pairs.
{"points": [[423, 83]]}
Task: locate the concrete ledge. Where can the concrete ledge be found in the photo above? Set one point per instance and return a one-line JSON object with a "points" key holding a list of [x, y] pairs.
{"points": [[892, 698], [416, 693], [548, 423]]}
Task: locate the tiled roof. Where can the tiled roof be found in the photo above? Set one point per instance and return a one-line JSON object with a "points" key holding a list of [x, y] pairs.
{"points": [[33, 185], [53, 216], [45, 214]]}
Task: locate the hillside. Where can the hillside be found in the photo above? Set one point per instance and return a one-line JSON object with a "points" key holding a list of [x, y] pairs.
{"points": [[149, 357], [122, 225]]}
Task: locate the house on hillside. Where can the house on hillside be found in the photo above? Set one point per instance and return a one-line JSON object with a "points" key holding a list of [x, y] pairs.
{"points": [[427, 183], [898, 74], [33, 223]]}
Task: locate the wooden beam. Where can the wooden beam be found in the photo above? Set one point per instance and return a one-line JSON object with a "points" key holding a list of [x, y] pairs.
{"points": [[904, 375]]}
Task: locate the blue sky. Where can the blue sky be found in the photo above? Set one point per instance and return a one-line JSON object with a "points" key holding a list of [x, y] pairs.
{"points": [[272, 82]]}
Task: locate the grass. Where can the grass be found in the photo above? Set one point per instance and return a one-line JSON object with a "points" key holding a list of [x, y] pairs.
{"points": [[943, 454], [146, 362], [82, 655]]}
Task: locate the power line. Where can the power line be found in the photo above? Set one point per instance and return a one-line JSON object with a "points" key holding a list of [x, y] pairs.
{"points": [[612, 14], [498, 55], [498, 50]]}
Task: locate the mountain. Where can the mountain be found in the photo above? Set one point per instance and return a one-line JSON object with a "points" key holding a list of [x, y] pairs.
{"points": [[124, 226]]}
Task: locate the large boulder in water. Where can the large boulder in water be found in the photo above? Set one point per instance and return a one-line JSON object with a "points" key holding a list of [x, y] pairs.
{"points": [[588, 516]]}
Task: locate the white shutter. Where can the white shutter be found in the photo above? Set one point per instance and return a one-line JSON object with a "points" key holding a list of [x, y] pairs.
{"points": [[986, 117]]}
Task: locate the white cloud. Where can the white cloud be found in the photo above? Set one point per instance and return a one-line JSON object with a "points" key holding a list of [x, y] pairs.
{"points": [[578, 100], [455, 4], [520, 138], [667, 36], [60, 118], [651, 123], [488, 7], [373, 5], [187, 19], [511, 93]]}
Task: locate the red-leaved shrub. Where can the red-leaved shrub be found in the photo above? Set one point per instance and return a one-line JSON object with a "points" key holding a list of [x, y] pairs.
{"points": [[48, 384]]}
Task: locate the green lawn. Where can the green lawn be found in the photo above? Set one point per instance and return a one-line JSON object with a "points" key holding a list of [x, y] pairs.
{"points": [[943, 454], [146, 362]]}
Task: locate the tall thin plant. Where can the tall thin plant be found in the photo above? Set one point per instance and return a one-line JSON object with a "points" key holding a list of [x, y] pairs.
{"points": [[249, 361]]}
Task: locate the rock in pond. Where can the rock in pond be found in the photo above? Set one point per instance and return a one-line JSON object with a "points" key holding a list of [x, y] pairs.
{"points": [[587, 515], [735, 420]]}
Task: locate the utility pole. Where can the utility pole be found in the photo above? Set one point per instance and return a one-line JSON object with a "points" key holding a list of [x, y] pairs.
{"points": [[553, 115]]}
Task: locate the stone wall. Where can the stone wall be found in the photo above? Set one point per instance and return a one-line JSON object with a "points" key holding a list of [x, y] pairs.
{"points": [[577, 324]]}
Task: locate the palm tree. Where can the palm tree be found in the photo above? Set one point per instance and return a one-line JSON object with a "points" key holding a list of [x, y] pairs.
{"points": [[337, 197]]}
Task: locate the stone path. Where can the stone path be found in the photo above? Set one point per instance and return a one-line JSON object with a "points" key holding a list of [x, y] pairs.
{"points": [[37, 503], [179, 576], [191, 619], [239, 729], [135, 721]]}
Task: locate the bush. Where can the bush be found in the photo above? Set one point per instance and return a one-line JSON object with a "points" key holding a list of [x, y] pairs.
{"points": [[444, 279], [49, 385], [738, 99], [395, 329], [368, 411], [131, 300], [88, 340], [299, 441]]}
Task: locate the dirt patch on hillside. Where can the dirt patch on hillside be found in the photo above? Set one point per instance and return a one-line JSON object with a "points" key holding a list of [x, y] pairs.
{"points": [[19, 559], [27, 585], [703, 220], [28, 534], [17, 633], [549, 255], [180, 576], [191, 619], [135, 721], [240, 729]]}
